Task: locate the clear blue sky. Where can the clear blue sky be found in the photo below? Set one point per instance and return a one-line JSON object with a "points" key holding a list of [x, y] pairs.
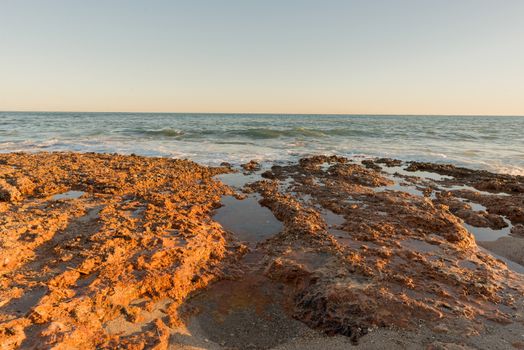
{"points": [[414, 57]]}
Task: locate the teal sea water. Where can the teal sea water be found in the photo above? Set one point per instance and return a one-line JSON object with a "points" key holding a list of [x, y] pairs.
{"points": [[483, 142]]}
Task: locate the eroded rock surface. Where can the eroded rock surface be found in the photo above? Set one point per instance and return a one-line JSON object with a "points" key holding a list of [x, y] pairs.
{"points": [[392, 260], [140, 232], [126, 256], [480, 179]]}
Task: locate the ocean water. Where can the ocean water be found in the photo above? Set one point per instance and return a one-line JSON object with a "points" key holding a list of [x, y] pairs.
{"points": [[483, 142]]}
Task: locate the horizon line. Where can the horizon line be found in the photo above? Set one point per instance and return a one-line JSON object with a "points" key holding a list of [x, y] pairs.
{"points": [[274, 113]]}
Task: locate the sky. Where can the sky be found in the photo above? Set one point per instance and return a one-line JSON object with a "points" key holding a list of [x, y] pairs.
{"points": [[267, 56]]}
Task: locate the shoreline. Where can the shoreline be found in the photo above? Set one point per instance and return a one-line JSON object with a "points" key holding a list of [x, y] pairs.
{"points": [[142, 250]]}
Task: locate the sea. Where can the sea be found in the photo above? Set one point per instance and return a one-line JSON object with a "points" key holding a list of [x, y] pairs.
{"points": [[494, 143]]}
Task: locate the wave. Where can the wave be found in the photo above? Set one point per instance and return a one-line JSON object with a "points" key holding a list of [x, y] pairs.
{"points": [[269, 133], [250, 133], [166, 132], [260, 133], [515, 170]]}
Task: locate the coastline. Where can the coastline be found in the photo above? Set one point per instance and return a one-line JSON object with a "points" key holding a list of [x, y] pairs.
{"points": [[131, 252]]}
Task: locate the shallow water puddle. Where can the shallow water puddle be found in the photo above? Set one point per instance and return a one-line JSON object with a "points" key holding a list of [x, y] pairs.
{"points": [[474, 206], [473, 189], [489, 234], [351, 200], [92, 214], [247, 219], [68, 195], [238, 180], [422, 174], [249, 312], [399, 185], [244, 314], [485, 233], [410, 189], [419, 245], [332, 219], [482, 233]]}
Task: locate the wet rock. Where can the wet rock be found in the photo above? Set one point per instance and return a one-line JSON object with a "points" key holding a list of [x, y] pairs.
{"points": [[368, 163], [500, 185], [464, 211], [481, 219], [356, 174], [393, 262], [510, 206], [287, 271], [315, 161], [443, 169], [252, 165], [389, 162], [480, 179], [518, 230], [268, 175]]}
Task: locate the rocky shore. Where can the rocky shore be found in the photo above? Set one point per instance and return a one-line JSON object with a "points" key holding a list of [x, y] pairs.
{"points": [[113, 251]]}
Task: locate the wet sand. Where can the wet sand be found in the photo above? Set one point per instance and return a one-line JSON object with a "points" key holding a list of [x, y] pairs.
{"points": [[100, 251]]}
